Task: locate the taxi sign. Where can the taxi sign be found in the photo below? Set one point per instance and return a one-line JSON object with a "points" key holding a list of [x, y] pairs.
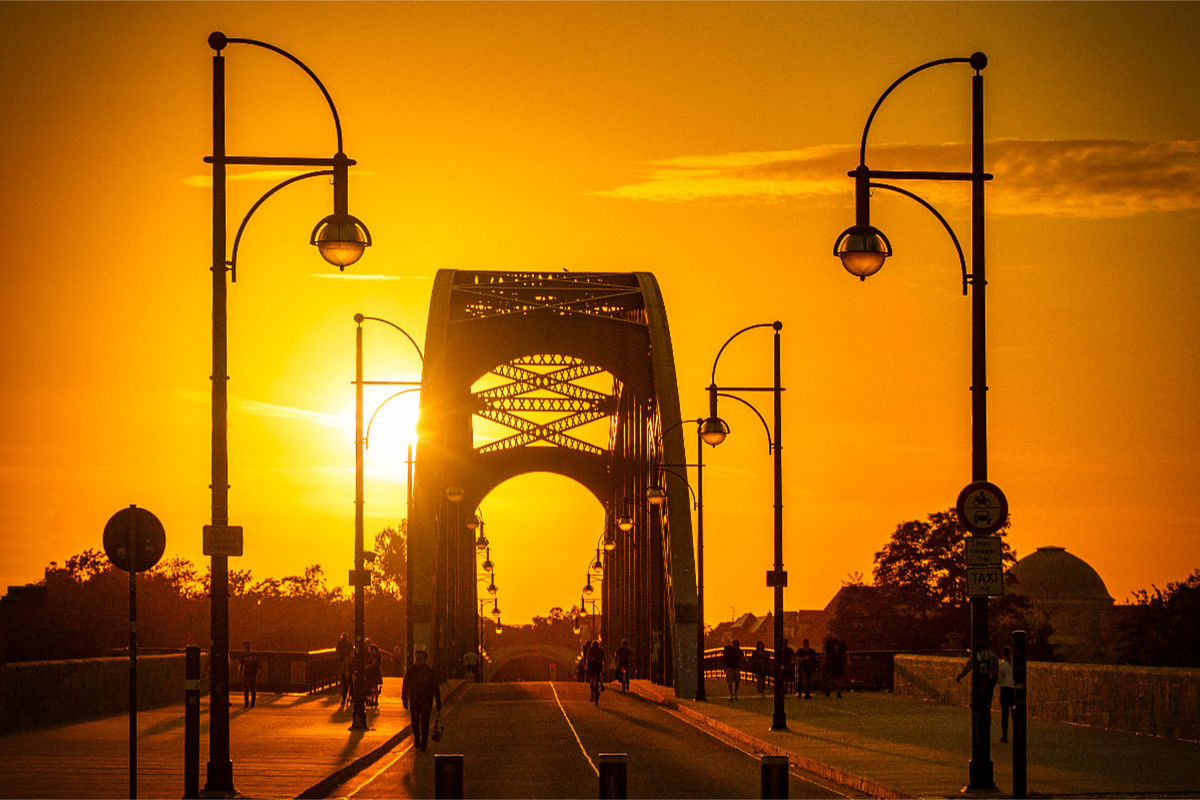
{"points": [[985, 581], [982, 508]]}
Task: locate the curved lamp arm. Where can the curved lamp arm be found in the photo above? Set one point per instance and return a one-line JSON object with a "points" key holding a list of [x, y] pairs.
{"points": [[962, 260], [977, 60], [748, 404], [775, 325], [686, 482], [217, 41], [367, 435], [406, 336], [232, 262]]}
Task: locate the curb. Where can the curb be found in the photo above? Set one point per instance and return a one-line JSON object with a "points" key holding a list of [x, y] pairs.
{"points": [[838, 776], [323, 787]]}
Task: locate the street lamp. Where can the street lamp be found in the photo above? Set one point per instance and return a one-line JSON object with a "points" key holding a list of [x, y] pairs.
{"points": [[360, 577], [341, 239], [863, 249], [714, 425]]}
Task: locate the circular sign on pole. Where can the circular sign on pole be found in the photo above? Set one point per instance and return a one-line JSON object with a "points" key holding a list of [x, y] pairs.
{"points": [[147, 533], [982, 508]]}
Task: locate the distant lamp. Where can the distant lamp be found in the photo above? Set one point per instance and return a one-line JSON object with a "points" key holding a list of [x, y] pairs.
{"points": [[625, 523], [341, 239], [496, 612], [610, 542], [473, 523], [482, 542], [656, 496], [575, 627], [455, 494], [714, 430], [488, 566], [499, 627], [587, 587], [492, 588], [862, 249]]}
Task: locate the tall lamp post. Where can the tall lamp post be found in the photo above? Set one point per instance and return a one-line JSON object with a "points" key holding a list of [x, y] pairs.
{"points": [[714, 430], [698, 498], [341, 239], [359, 577], [863, 249]]}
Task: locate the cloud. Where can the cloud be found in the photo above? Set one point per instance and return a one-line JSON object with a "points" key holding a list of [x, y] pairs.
{"points": [[1074, 178], [261, 409]]}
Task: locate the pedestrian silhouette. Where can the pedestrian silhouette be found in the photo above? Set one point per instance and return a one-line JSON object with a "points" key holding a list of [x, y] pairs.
{"points": [[420, 692], [249, 664]]}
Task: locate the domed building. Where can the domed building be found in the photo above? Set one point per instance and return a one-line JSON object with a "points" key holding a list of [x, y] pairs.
{"points": [[1071, 596]]}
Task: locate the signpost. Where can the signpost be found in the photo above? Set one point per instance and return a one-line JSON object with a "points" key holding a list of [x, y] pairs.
{"points": [[983, 509], [134, 540]]}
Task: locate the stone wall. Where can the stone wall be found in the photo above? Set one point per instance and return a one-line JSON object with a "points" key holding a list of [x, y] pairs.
{"points": [[1155, 701], [37, 693]]}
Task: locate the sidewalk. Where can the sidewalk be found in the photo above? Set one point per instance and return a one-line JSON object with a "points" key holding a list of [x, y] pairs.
{"points": [[310, 749], [889, 746]]}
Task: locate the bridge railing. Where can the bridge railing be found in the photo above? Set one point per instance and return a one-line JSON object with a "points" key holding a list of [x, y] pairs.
{"points": [[863, 670], [289, 671]]}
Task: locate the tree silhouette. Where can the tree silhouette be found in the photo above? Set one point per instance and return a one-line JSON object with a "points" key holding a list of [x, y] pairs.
{"points": [[919, 597]]}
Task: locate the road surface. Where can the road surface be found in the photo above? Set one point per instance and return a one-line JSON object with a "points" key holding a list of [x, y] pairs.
{"points": [[543, 740]]}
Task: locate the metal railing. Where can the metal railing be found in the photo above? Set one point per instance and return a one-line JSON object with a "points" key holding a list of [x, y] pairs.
{"points": [[289, 671], [863, 670]]}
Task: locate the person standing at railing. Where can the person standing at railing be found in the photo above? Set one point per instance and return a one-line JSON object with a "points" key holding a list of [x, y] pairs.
{"points": [[249, 664], [345, 657], [732, 654], [760, 662], [806, 663]]}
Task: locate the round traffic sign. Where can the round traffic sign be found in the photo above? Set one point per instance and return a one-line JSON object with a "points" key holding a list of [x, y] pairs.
{"points": [[982, 507], [149, 539]]}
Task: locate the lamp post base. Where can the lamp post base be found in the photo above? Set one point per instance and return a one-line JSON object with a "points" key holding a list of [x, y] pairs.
{"points": [[219, 780], [982, 781], [778, 722]]}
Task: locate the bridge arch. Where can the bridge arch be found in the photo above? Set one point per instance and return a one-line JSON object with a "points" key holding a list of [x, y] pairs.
{"points": [[542, 335]]}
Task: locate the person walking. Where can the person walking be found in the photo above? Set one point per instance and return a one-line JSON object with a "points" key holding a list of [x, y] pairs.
{"points": [[420, 692], [1007, 690], [624, 656], [806, 663], [249, 664], [732, 654]]}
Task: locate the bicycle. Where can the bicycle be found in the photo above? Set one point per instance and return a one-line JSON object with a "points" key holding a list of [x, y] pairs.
{"points": [[623, 678]]}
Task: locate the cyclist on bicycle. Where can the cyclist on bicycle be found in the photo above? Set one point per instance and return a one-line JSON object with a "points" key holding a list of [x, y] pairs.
{"points": [[623, 655], [595, 670]]}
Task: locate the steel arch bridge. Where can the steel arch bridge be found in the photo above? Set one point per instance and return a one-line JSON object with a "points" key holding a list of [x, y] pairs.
{"points": [[541, 355]]}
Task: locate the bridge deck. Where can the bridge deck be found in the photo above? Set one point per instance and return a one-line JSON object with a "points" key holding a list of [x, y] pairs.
{"points": [[893, 747]]}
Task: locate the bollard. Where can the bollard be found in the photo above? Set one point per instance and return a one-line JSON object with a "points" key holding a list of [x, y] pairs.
{"points": [[1019, 763], [191, 722], [612, 776], [448, 776], [775, 777]]}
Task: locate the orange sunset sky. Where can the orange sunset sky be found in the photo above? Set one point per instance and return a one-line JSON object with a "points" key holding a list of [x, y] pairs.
{"points": [[704, 142]]}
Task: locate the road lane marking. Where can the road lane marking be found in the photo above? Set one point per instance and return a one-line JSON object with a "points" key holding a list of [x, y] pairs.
{"points": [[410, 743], [582, 749]]}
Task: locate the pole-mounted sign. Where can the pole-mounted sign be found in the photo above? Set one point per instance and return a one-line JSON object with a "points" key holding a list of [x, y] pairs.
{"points": [[982, 508], [134, 540]]}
